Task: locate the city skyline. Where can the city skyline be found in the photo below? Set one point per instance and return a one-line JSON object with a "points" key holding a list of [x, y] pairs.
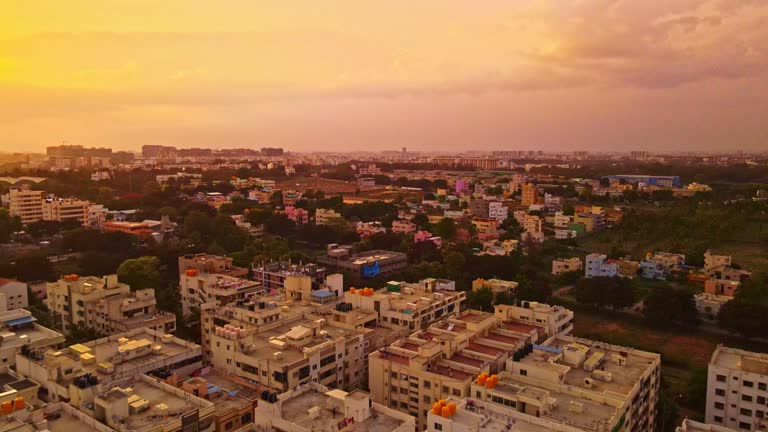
{"points": [[336, 76]]}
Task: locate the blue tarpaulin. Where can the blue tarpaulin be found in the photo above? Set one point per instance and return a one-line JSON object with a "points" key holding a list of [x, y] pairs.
{"points": [[19, 321], [547, 348]]}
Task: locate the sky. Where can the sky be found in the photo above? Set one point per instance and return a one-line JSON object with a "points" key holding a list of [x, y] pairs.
{"points": [[349, 75]]}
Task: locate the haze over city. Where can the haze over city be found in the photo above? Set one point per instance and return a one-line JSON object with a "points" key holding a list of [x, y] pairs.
{"points": [[350, 75]]}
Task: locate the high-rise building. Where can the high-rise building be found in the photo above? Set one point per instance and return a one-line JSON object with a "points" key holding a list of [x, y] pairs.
{"points": [[737, 389], [69, 209]]}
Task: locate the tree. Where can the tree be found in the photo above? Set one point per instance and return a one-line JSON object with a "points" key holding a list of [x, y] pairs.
{"points": [[32, 268], [446, 228], [420, 220], [746, 319], [666, 306], [455, 264], [140, 273], [8, 225], [276, 200], [481, 299], [79, 333]]}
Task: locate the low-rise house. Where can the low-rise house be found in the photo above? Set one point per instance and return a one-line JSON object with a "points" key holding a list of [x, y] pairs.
{"points": [[564, 265]]}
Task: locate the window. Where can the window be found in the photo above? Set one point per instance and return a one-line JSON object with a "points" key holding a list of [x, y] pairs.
{"points": [[719, 405], [748, 384], [762, 386], [746, 412], [427, 399], [394, 375], [246, 418], [523, 372], [720, 392], [745, 426], [456, 392], [761, 400], [746, 398], [427, 384], [718, 419], [228, 425], [721, 378], [438, 426]]}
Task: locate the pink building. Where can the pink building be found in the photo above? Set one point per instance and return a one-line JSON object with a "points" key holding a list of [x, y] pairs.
{"points": [[461, 186], [298, 215], [423, 236]]}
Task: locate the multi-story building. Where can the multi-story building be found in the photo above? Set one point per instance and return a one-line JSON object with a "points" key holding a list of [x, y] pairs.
{"points": [[70, 209], [661, 264], [497, 210], [664, 181], [314, 407], [26, 204], [137, 229], [497, 286], [562, 220], [370, 170], [564, 265], [275, 275], [96, 216], [403, 226], [597, 265], [694, 426], [327, 216], [403, 306], [365, 264], [564, 385], [280, 344], [67, 297], [19, 329], [533, 229], [233, 398], [530, 195], [479, 208], [628, 268], [207, 263], [198, 287], [299, 216], [708, 305], [721, 287], [737, 389], [442, 360], [105, 305], [14, 294], [115, 360]]}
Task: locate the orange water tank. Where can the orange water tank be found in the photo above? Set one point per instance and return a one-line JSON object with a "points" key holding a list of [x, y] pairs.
{"points": [[436, 409], [446, 412], [352, 290], [452, 407], [6, 407], [441, 402], [18, 403]]}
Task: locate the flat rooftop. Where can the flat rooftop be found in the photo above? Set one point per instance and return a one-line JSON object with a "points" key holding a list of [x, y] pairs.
{"points": [[227, 394], [66, 422], [737, 359], [295, 410], [150, 418]]}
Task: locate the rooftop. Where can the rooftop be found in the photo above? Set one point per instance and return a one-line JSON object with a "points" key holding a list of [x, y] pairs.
{"points": [[331, 411], [736, 359]]}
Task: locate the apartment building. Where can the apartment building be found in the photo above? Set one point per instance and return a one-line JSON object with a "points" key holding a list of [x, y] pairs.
{"points": [[327, 216], [104, 363], [66, 209], [708, 305], [14, 294], [562, 220], [497, 286], [314, 407], [407, 307], [442, 360], [136, 229], [721, 287], [694, 426], [549, 320], [737, 389], [564, 265], [198, 287], [18, 329], [234, 399], [530, 195], [71, 297], [581, 383], [365, 264], [628, 268], [274, 275], [207, 263], [497, 211], [599, 265], [298, 215], [479, 208], [26, 204], [403, 226], [279, 344]]}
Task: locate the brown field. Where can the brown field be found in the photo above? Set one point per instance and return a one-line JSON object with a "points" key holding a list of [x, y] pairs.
{"points": [[330, 187]]}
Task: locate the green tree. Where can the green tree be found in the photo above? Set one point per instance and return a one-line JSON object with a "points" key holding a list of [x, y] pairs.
{"points": [[666, 305], [8, 225], [481, 299], [140, 273], [79, 333], [446, 228]]}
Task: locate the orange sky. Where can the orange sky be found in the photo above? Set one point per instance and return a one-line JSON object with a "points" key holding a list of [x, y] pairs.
{"points": [[357, 74]]}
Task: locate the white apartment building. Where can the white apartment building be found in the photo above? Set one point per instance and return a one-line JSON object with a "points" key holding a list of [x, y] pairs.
{"points": [[198, 287], [403, 226], [18, 328], [497, 210], [15, 294], [599, 265], [737, 389]]}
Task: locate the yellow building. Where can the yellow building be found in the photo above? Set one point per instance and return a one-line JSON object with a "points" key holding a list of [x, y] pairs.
{"points": [[26, 204], [530, 195]]}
